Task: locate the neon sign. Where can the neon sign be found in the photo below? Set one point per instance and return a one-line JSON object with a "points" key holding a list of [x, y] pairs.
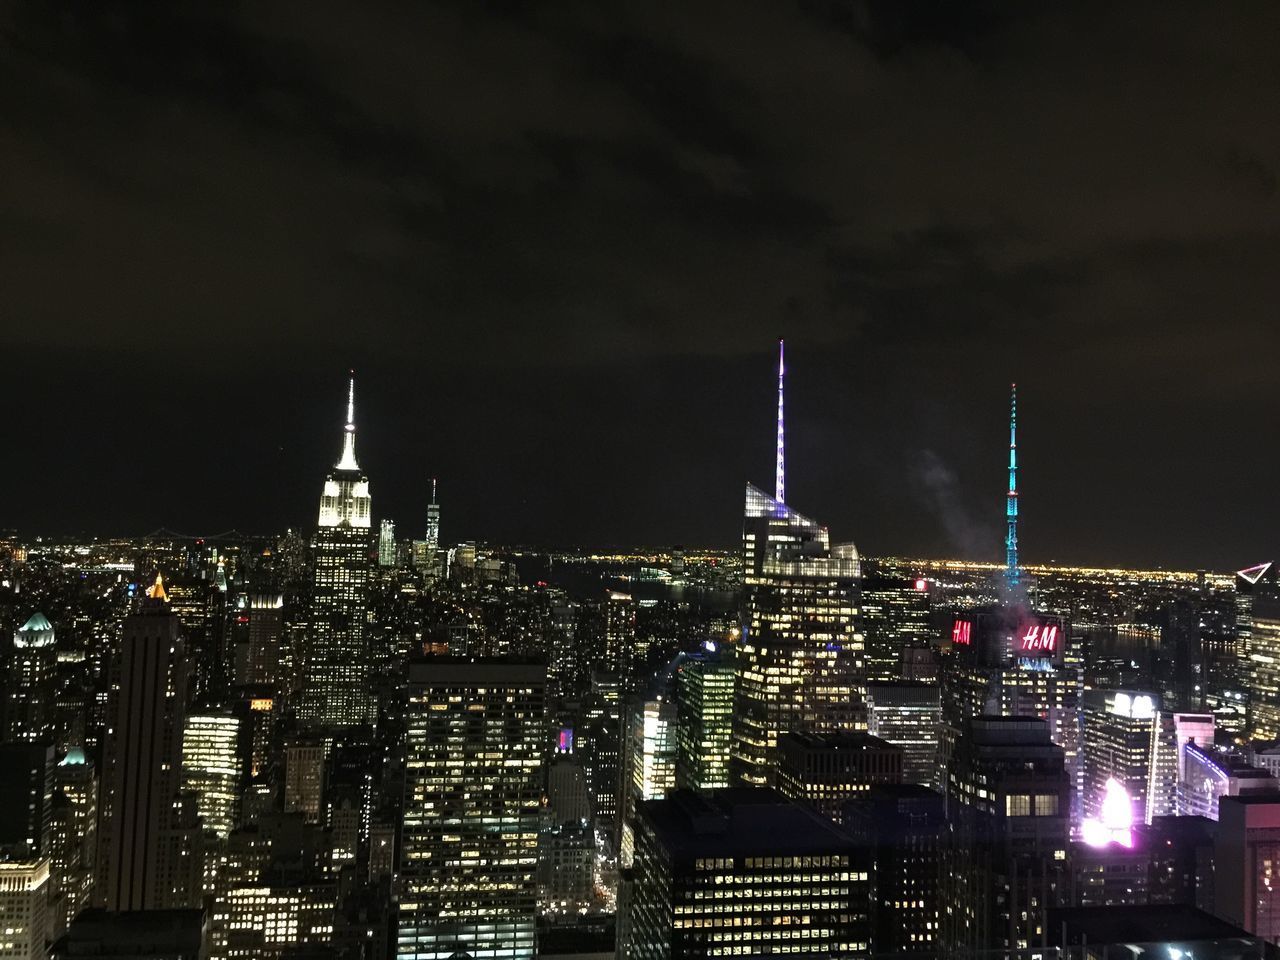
{"points": [[1037, 638], [962, 633]]}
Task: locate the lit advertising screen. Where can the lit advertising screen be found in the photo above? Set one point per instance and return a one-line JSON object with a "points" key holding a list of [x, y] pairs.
{"points": [[1038, 638]]}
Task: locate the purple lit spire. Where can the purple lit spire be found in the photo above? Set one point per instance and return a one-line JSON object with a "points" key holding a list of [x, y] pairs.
{"points": [[780, 477]]}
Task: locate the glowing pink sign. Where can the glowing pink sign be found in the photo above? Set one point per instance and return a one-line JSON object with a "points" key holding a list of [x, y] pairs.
{"points": [[1040, 639], [1114, 823], [962, 633]]}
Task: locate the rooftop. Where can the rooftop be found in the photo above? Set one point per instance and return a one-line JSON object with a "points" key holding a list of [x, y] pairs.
{"points": [[740, 821], [1140, 924]]}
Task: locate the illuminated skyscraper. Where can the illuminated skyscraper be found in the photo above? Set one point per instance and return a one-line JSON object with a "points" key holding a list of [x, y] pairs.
{"points": [[475, 740], [336, 689], [266, 641], [1121, 730], [24, 894], [909, 715], [895, 618], [704, 711], [270, 922], [32, 688], [1258, 596], [387, 543], [73, 838], [799, 662], [433, 520], [746, 873], [648, 761], [620, 640], [142, 760], [215, 767]]}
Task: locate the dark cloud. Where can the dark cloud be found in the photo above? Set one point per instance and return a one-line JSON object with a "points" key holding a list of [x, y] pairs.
{"points": [[559, 238]]}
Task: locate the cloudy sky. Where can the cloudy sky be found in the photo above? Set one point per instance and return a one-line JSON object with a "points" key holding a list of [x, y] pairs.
{"points": [[558, 241]]}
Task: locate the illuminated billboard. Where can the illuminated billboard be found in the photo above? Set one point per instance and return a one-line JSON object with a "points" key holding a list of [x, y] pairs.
{"points": [[962, 633]]}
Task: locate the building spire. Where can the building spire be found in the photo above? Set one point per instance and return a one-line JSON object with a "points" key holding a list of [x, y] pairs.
{"points": [[1012, 573], [348, 459], [780, 475]]}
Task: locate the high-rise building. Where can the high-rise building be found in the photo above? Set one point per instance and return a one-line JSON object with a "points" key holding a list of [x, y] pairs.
{"points": [[475, 739], [336, 691], [827, 770], [32, 689], [270, 922], [600, 743], [215, 767], [1259, 602], [1008, 797], [1175, 731], [704, 720], [895, 617], [909, 715], [742, 872], [304, 764], [24, 922], [902, 828], [568, 799], [1246, 860], [73, 839], [1005, 660], [1120, 735], [1180, 668], [433, 522], [266, 642], [387, 543], [648, 761], [26, 796], [142, 760], [619, 654], [799, 661]]}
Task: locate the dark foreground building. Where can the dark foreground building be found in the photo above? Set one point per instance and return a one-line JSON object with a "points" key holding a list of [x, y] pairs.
{"points": [[743, 872]]}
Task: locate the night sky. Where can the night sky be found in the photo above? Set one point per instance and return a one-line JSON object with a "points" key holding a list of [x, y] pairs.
{"points": [[558, 241]]}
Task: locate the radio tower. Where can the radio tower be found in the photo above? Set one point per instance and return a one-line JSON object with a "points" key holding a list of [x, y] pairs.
{"points": [[780, 474], [1012, 574]]}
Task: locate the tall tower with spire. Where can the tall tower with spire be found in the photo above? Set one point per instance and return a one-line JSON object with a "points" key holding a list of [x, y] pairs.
{"points": [[1013, 574], [433, 520], [799, 661], [335, 673]]}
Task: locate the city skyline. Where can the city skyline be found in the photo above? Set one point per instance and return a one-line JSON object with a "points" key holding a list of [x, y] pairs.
{"points": [[956, 524]]}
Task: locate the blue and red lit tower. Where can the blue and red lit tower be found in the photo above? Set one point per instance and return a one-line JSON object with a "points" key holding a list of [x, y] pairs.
{"points": [[1012, 573]]}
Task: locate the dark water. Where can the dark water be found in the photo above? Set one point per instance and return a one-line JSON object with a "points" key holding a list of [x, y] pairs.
{"points": [[590, 581]]}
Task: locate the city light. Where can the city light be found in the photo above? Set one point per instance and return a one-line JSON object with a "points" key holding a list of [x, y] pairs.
{"points": [[1114, 823]]}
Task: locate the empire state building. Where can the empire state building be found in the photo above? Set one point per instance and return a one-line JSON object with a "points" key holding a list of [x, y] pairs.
{"points": [[335, 679]]}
